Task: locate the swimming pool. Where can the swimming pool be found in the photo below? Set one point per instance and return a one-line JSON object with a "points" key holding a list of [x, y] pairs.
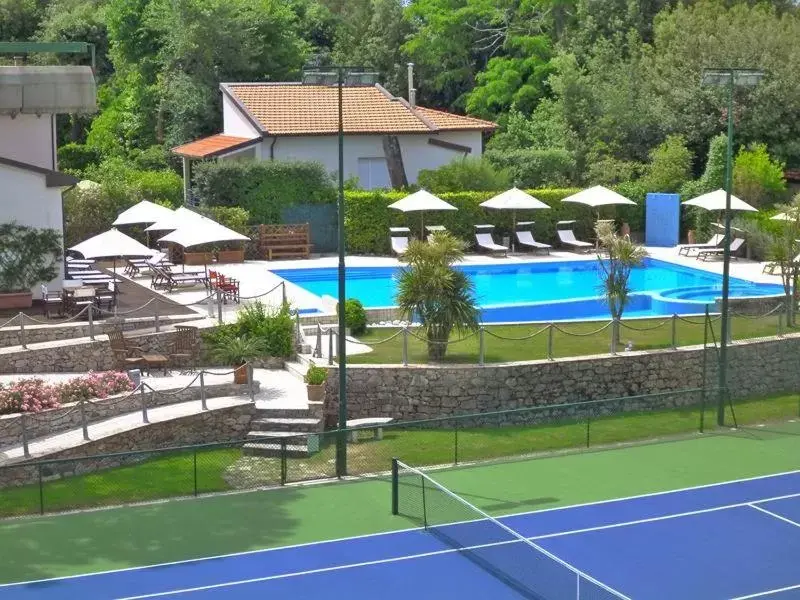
{"points": [[537, 291]]}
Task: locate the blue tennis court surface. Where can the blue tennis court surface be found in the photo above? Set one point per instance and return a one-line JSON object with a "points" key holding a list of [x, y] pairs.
{"points": [[735, 540]]}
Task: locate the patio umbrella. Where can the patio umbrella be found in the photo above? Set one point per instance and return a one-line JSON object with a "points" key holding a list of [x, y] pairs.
{"points": [[716, 201], [202, 231], [145, 212], [420, 202], [179, 217], [111, 244], [791, 215], [597, 196], [514, 200]]}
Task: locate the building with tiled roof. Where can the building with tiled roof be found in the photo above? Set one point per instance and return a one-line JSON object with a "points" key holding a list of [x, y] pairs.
{"points": [[383, 134]]}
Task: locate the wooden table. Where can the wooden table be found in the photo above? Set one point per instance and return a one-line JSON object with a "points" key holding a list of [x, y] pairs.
{"points": [[156, 360]]}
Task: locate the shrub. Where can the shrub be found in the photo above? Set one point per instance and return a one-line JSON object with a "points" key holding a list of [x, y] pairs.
{"points": [[315, 375], [28, 395], [95, 385], [757, 178], [670, 165], [355, 317], [534, 167], [464, 174], [28, 256], [273, 329], [262, 188], [232, 217], [77, 157]]}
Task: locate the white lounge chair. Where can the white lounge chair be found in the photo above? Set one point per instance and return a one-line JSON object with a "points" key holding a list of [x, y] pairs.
{"points": [[483, 238], [714, 242], [567, 238], [525, 238], [434, 229], [736, 245], [399, 238]]}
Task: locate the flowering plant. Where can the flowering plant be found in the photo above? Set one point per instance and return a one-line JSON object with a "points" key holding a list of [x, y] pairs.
{"points": [[28, 395], [35, 395]]}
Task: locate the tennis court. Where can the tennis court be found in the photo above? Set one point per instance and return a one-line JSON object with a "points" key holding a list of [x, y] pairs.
{"points": [[733, 540]]}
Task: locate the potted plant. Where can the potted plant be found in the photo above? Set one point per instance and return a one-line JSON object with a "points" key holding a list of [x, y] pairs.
{"points": [[28, 257], [236, 351], [315, 382], [355, 317]]}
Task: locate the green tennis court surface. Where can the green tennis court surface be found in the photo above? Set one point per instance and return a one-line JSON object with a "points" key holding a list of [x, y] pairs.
{"points": [[58, 545]]}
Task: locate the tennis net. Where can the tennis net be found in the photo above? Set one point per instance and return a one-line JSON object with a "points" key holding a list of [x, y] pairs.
{"points": [[509, 556]]}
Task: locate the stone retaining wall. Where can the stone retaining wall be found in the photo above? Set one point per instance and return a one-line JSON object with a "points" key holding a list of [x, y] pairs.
{"points": [[38, 333], [68, 416], [74, 356], [218, 425], [768, 366], [755, 306]]}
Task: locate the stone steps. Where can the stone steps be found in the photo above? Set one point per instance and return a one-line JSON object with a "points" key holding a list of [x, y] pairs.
{"points": [[297, 368], [295, 425], [272, 443]]}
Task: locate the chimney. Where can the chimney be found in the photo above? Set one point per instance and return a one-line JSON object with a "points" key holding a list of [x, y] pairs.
{"points": [[412, 92]]}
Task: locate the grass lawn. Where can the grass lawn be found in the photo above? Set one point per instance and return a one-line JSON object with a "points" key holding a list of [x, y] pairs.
{"points": [[179, 474], [506, 343]]}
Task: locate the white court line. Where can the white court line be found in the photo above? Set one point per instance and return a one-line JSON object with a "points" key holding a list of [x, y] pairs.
{"points": [[772, 514], [394, 531], [768, 592], [453, 550]]}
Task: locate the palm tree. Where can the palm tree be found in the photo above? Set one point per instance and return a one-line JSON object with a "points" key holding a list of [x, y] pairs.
{"points": [[615, 271], [436, 293], [783, 252]]}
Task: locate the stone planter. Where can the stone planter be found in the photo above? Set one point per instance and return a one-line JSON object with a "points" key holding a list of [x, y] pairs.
{"points": [[316, 393], [230, 256], [240, 374], [10, 300], [198, 258]]}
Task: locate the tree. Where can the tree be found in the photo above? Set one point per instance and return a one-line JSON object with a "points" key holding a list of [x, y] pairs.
{"points": [[784, 253], [464, 174], [670, 165], [757, 178], [615, 271], [435, 292]]}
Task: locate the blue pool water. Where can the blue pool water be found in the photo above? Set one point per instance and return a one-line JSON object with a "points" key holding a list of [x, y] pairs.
{"points": [[546, 290]]}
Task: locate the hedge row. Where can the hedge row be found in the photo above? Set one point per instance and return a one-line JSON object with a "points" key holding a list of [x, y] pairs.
{"points": [[368, 217]]}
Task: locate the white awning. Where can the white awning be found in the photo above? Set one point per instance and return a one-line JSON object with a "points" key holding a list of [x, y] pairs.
{"points": [[716, 201], [144, 212], [112, 244], [202, 231], [514, 199], [598, 196]]}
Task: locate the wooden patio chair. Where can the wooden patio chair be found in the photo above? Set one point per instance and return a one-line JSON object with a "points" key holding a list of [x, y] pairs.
{"points": [[126, 355], [184, 348], [52, 302]]}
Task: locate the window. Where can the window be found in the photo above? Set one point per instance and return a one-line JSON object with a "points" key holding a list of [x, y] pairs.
{"points": [[373, 173]]}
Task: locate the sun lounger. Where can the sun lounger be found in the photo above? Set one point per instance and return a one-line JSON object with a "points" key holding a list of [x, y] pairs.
{"points": [[771, 267], [483, 238], [714, 242], [434, 229], [567, 238], [525, 238], [399, 238], [736, 245], [162, 278]]}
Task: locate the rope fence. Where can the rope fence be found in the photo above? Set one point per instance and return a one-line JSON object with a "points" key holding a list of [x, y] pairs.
{"points": [[679, 330]]}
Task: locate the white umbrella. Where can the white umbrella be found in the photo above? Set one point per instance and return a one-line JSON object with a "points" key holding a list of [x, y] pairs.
{"points": [[179, 217], [716, 201], [514, 200], [111, 244], [144, 212], [420, 202], [202, 231], [792, 215], [598, 196]]}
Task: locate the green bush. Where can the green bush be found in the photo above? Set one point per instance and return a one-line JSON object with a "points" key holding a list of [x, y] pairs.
{"points": [[757, 178], [232, 217], [315, 375], [670, 165], [273, 329], [77, 157], [535, 167], [355, 317], [464, 174], [368, 218], [262, 188]]}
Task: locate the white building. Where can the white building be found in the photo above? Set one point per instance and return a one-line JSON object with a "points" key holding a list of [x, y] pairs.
{"points": [[30, 185], [387, 140]]}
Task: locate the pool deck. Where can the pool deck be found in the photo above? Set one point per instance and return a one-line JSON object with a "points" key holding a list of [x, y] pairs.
{"points": [[257, 280]]}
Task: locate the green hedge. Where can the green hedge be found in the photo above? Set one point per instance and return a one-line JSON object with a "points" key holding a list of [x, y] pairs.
{"points": [[368, 217], [262, 188]]}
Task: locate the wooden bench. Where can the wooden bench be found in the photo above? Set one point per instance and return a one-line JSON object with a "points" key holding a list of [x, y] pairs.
{"points": [[284, 241], [369, 423]]}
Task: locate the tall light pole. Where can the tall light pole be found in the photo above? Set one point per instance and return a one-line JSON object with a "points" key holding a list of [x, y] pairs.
{"points": [[339, 75], [730, 77]]}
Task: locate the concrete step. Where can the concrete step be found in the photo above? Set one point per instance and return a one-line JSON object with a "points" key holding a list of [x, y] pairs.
{"points": [[269, 450], [297, 368], [292, 425], [282, 413]]}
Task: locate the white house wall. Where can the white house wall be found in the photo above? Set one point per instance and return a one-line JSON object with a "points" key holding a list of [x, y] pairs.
{"points": [[416, 151], [234, 122], [25, 199], [28, 139]]}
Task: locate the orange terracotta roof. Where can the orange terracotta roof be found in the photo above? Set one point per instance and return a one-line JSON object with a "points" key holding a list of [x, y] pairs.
{"points": [[213, 146], [290, 109]]}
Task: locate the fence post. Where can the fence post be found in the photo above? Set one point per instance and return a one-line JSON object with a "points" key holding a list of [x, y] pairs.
{"points": [[674, 331], [23, 421], [219, 306], [41, 488], [588, 429], [251, 382], [550, 332], [156, 319], [780, 324], [730, 330], [330, 346], [90, 312], [318, 344], [283, 293], [22, 340], [284, 474], [194, 466], [84, 425], [298, 335], [481, 347], [144, 404], [614, 335], [203, 404], [455, 443], [405, 346], [395, 485]]}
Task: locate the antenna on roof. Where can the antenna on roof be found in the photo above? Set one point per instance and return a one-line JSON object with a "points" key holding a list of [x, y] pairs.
{"points": [[353, 76], [412, 91]]}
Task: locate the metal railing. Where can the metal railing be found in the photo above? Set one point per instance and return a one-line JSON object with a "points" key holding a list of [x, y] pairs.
{"points": [[452, 440], [611, 331]]}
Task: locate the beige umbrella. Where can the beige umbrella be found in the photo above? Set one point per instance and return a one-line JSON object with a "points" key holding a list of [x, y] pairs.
{"points": [[514, 200], [420, 202]]}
